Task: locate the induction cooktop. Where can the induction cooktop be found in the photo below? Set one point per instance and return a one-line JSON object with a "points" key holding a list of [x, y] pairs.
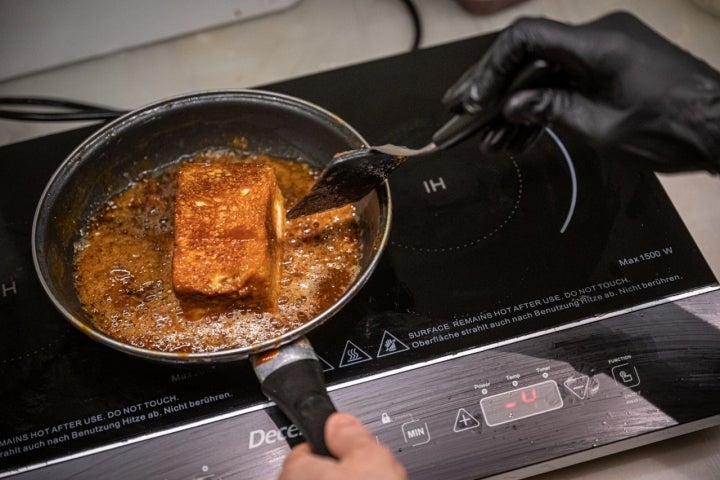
{"points": [[531, 311]]}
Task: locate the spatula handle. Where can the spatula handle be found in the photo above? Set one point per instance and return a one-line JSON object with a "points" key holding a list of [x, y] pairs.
{"points": [[464, 125], [460, 127]]}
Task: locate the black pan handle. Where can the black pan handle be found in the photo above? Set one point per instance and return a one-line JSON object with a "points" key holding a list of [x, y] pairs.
{"points": [[292, 377]]}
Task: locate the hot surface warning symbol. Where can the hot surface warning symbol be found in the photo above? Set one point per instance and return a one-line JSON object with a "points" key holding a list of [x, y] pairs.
{"points": [[326, 366], [353, 354], [390, 344]]}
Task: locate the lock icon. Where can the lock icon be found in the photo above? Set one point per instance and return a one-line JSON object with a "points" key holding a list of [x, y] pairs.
{"points": [[385, 418]]}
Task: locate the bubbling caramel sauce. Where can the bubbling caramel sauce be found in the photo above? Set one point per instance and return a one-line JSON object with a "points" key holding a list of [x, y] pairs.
{"points": [[123, 266]]}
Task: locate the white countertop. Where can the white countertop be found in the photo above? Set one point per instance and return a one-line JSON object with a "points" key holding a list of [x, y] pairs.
{"points": [[316, 35]]}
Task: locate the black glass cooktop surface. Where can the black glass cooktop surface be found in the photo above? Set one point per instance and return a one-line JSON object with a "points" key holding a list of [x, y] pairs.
{"points": [[483, 249]]}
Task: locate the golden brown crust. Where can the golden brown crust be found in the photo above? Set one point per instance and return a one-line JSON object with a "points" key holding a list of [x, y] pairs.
{"points": [[228, 227]]}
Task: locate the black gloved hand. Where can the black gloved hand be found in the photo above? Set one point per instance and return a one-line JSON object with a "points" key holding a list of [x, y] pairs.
{"points": [[627, 90]]}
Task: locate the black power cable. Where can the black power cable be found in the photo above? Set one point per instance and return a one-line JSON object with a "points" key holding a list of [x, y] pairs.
{"points": [[67, 110], [417, 24], [62, 110]]}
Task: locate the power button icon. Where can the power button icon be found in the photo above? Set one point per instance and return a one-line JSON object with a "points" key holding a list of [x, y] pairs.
{"points": [[626, 375]]}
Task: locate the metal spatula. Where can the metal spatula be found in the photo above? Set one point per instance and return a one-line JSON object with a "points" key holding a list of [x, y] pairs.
{"points": [[352, 175]]}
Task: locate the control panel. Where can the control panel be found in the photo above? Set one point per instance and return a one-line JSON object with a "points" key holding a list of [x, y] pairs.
{"points": [[559, 397]]}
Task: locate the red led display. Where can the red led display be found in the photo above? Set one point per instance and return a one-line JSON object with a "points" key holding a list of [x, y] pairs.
{"points": [[521, 403]]}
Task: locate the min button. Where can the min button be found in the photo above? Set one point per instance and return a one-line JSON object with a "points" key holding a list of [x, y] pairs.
{"points": [[416, 432]]}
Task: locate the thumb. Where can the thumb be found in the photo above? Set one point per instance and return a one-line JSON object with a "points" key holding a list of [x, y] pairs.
{"points": [[344, 433], [563, 107]]}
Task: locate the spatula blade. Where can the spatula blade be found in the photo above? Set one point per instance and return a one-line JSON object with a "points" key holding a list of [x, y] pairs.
{"points": [[348, 178]]}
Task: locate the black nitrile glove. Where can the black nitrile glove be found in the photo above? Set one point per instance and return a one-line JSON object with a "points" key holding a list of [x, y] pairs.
{"points": [[624, 88]]}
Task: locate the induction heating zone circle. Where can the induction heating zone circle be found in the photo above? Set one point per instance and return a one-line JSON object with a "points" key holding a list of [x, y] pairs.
{"points": [[446, 204]]}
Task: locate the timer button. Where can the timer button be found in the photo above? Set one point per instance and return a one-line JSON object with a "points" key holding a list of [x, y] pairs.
{"points": [[577, 385]]}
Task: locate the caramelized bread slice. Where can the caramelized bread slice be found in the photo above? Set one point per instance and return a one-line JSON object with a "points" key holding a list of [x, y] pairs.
{"points": [[229, 222]]}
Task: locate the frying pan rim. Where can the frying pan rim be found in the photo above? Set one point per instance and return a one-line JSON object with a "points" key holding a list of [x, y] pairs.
{"points": [[133, 117]]}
